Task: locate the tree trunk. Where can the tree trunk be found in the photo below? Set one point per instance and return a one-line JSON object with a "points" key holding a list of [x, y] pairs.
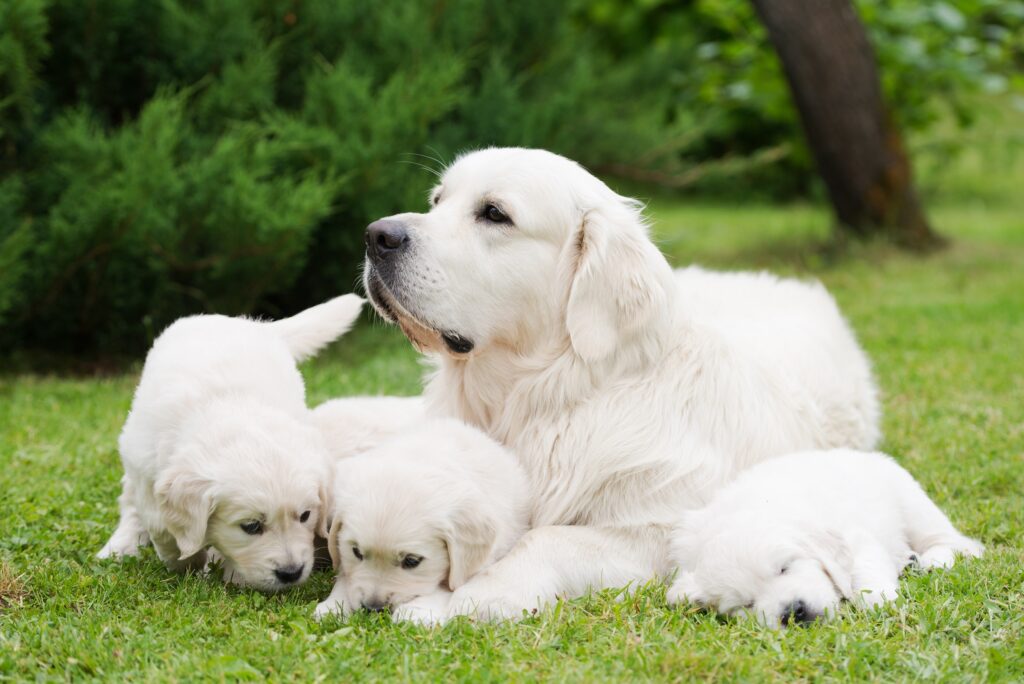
{"points": [[833, 77]]}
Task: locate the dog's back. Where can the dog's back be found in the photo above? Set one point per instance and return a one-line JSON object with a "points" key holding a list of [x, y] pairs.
{"points": [[201, 358]]}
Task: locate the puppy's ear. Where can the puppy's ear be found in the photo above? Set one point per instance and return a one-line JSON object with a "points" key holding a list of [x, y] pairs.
{"points": [[332, 542], [618, 281], [832, 550], [186, 503], [469, 538]]}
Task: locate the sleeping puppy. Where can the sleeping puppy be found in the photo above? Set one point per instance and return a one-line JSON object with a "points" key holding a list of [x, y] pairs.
{"points": [[792, 537], [219, 449], [417, 516]]}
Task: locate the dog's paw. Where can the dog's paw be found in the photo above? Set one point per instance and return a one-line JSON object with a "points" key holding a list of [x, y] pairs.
{"points": [[683, 590], [331, 606], [123, 546], [495, 607], [871, 597], [427, 610], [944, 555]]}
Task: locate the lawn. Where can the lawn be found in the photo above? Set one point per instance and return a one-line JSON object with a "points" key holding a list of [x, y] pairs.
{"points": [[946, 333]]}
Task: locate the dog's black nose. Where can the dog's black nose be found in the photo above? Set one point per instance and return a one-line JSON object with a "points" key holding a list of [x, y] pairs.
{"points": [[290, 573], [375, 605], [385, 238], [798, 613]]}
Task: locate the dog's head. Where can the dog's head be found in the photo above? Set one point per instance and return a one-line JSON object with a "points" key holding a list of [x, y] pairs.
{"points": [[518, 243], [405, 524], [779, 572], [253, 486]]}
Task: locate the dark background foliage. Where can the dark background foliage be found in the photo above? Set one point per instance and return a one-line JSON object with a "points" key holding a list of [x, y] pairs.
{"points": [[163, 157]]}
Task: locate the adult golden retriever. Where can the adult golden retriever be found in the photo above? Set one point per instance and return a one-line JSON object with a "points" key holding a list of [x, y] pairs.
{"points": [[628, 391]]}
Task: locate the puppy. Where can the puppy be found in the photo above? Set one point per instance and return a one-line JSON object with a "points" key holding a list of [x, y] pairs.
{"points": [[219, 449], [792, 537], [419, 515]]}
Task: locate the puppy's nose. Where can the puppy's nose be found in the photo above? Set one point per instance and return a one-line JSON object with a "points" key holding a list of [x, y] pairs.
{"points": [[375, 605], [289, 574], [385, 238], [798, 613]]}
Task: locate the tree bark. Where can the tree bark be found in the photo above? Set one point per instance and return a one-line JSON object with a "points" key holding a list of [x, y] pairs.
{"points": [[833, 77]]}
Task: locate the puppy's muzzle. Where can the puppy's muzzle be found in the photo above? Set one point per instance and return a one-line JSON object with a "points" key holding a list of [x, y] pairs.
{"points": [[375, 605], [385, 239], [798, 613]]}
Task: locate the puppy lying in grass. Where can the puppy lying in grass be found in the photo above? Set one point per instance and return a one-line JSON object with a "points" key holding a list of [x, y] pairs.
{"points": [[792, 537], [219, 449], [417, 516]]}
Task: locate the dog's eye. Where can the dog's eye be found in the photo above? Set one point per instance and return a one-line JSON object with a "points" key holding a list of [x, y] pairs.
{"points": [[410, 562], [495, 215], [304, 517], [357, 553], [783, 569], [252, 527], [435, 199]]}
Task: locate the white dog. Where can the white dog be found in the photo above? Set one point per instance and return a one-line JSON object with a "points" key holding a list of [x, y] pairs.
{"points": [[219, 449], [792, 537], [419, 515], [628, 392]]}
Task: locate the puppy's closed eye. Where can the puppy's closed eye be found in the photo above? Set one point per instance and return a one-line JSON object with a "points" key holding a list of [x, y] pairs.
{"points": [[357, 553], [411, 561]]}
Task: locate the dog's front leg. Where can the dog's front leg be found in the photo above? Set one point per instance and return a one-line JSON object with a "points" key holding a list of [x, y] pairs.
{"points": [[130, 533], [875, 577], [555, 562]]}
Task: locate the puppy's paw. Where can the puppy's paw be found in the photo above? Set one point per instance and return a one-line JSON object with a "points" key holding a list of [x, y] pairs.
{"points": [[683, 590], [331, 606], [870, 597], [496, 607], [123, 545], [428, 611], [944, 555]]}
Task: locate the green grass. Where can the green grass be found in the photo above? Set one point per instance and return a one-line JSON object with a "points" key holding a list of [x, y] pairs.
{"points": [[946, 333]]}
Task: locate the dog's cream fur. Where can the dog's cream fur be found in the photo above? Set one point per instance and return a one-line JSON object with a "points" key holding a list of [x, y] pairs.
{"points": [[352, 425], [442, 494], [219, 436], [628, 391], [792, 537]]}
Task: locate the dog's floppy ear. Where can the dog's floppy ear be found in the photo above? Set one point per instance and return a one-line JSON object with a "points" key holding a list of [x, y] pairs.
{"points": [[186, 503], [618, 281], [469, 537], [832, 550], [332, 542]]}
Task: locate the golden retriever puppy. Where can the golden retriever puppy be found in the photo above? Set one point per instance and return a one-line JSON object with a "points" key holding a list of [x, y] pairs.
{"points": [[219, 449], [419, 515], [792, 537]]}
